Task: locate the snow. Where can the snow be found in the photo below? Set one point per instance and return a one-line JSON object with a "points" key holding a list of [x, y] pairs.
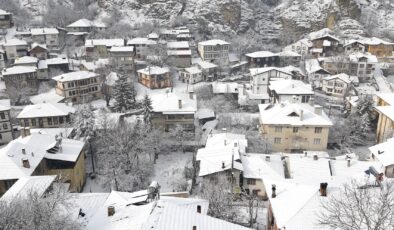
{"points": [[70, 150], [15, 42], [206, 65], [225, 87], [104, 42], [342, 76], [193, 70], [18, 70], [281, 114], [64, 132], [292, 87], [27, 185], [81, 23], [57, 61], [3, 12], [257, 71], [122, 49], [213, 42], [261, 54], [154, 70], [387, 97], [387, 111], [169, 103], [44, 31], [74, 76], [179, 52], [383, 152], [49, 97], [46, 110], [26, 60], [205, 113], [111, 79], [178, 45], [141, 41]]}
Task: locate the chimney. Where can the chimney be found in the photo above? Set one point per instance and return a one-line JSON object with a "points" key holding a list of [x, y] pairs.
{"points": [[180, 104], [323, 189], [191, 95], [301, 115], [267, 158], [198, 208], [348, 162], [223, 165], [318, 109], [25, 163], [24, 151], [194, 227], [306, 153], [225, 142], [25, 132], [111, 210], [315, 157], [273, 191], [235, 144]]}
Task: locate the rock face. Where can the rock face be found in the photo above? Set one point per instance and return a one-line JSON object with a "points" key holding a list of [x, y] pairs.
{"points": [[277, 21]]}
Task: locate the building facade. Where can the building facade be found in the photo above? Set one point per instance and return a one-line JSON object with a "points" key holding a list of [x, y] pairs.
{"points": [[214, 51], [155, 77], [5, 125]]}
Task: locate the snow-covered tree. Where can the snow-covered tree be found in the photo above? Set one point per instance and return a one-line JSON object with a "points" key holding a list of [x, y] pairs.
{"points": [[147, 107], [83, 121], [124, 94]]}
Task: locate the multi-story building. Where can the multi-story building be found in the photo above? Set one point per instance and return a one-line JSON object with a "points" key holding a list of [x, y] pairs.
{"points": [[296, 91], [337, 85], [179, 54], [354, 46], [294, 127], [301, 47], [47, 36], [39, 51], [5, 19], [191, 75], [315, 73], [262, 59], [379, 47], [174, 109], [78, 87], [385, 109], [5, 125], [21, 78], [100, 48], [155, 77], [42, 154], [142, 46], [45, 115], [214, 51], [122, 57], [324, 45], [15, 48]]}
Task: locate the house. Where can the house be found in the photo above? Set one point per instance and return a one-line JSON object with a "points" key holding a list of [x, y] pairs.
{"points": [[109, 83], [191, 75], [315, 73], [385, 109], [362, 65], [98, 66], [262, 59], [2, 59], [42, 154], [294, 127], [301, 47], [78, 87], [174, 109], [327, 44], [47, 36], [282, 90], [215, 51], [26, 61], [261, 76], [155, 77], [297, 186], [180, 58], [383, 153], [378, 47], [122, 57], [209, 70], [142, 46], [337, 85], [84, 26], [354, 46], [177, 34], [6, 20], [56, 65], [15, 48], [289, 58], [5, 125], [39, 51], [100, 48], [46, 115], [21, 78]]}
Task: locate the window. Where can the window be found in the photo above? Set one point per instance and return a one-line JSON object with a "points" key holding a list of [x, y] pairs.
{"points": [[26, 121], [278, 129], [295, 129], [33, 122], [5, 126], [55, 121], [318, 129], [277, 140], [2, 115], [316, 141], [1, 137], [49, 120], [251, 181], [61, 121], [255, 191]]}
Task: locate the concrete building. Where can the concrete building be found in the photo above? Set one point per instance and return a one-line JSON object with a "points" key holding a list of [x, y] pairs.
{"points": [[294, 127], [122, 57], [47, 36], [46, 115], [142, 46], [100, 48], [215, 51], [191, 75], [296, 91], [15, 48], [21, 78], [78, 87]]}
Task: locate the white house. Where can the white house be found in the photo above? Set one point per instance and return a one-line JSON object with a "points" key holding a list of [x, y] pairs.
{"points": [[297, 91], [315, 73], [214, 51], [337, 85], [142, 46], [15, 48], [191, 75], [301, 46], [47, 36]]}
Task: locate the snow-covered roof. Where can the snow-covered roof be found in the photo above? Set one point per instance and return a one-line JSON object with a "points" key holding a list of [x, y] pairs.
{"points": [[73, 76], [255, 167], [227, 139], [342, 76], [44, 31], [45, 110], [35, 45], [26, 60], [288, 54], [81, 23], [261, 54], [141, 41], [15, 42], [57, 61], [213, 42], [298, 198], [92, 66], [384, 152], [168, 103], [193, 70], [257, 71], [298, 114], [122, 49], [325, 32], [104, 42], [387, 97], [26, 186], [374, 41], [153, 36], [388, 111], [51, 97], [354, 57], [178, 45], [70, 150], [179, 52], [289, 86], [154, 70], [65, 132], [3, 12], [4, 107], [111, 79], [205, 113], [313, 66], [18, 70], [225, 87], [206, 65]]}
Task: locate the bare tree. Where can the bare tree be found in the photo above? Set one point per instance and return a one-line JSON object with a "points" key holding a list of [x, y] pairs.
{"points": [[358, 206]]}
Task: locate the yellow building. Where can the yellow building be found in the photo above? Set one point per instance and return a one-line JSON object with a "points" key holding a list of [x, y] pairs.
{"points": [[294, 127], [42, 154], [385, 109]]}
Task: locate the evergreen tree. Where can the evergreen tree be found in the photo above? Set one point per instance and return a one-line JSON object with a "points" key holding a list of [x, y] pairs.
{"points": [[124, 94], [147, 107], [83, 121]]}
